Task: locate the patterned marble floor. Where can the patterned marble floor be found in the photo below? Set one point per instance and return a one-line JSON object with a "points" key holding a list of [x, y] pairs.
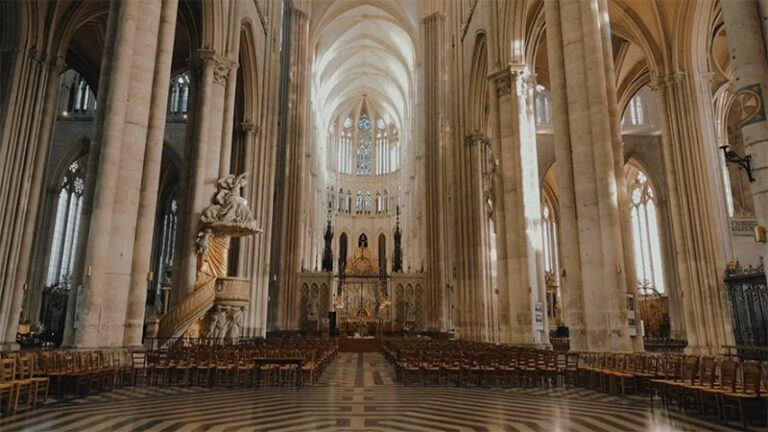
{"points": [[356, 393]]}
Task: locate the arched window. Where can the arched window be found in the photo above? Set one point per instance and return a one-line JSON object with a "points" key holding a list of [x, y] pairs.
{"points": [[178, 97], [76, 96], [83, 96], [167, 238], [66, 226], [345, 147], [364, 150], [636, 111], [549, 232], [382, 149], [542, 106], [645, 232]]}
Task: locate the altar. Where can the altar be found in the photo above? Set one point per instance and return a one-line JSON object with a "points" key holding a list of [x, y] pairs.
{"points": [[362, 301]]}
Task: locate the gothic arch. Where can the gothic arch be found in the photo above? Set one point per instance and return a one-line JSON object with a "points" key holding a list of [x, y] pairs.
{"points": [[249, 68], [73, 152], [477, 94]]}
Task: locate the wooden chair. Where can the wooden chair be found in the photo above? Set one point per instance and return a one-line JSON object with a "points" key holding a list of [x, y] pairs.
{"points": [[41, 386], [137, 372], [24, 393], [571, 371], [748, 394], [7, 385]]}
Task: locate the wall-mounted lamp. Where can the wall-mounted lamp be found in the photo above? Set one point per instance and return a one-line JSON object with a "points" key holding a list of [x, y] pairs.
{"points": [[744, 162]]}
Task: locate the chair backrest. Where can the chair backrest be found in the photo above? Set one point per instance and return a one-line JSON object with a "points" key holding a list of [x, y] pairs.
{"points": [[707, 371], [572, 361], [619, 362], [139, 359], [750, 371], [690, 367], [728, 369], [25, 367], [562, 360], [7, 369]]}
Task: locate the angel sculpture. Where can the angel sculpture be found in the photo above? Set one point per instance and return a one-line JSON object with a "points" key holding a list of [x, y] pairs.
{"points": [[229, 212]]}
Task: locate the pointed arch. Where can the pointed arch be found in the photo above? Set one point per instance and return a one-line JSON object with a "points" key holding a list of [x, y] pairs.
{"points": [[477, 93]]}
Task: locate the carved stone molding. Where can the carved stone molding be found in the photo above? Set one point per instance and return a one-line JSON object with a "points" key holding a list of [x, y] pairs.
{"points": [[465, 24], [221, 65], [249, 128], [503, 83], [507, 79], [667, 81], [262, 17], [476, 139]]}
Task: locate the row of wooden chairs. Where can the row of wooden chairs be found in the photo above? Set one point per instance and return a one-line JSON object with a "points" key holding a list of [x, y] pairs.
{"points": [[725, 385], [21, 386], [232, 365], [27, 378], [620, 373], [463, 363]]}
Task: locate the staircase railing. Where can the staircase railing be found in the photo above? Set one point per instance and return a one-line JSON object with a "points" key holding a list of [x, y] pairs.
{"points": [[191, 308]]}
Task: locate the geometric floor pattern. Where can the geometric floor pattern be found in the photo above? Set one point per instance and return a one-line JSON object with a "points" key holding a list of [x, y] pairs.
{"points": [[356, 393]]}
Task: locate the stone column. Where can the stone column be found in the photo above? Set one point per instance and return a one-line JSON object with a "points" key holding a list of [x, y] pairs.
{"points": [[518, 212], [145, 227], [433, 66], [471, 317], [594, 176], [212, 72], [288, 233], [109, 251], [699, 260], [747, 47], [94, 153], [572, 286], [27, 129]]}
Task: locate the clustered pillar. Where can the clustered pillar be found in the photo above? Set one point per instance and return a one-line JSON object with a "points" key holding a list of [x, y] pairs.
{"points": [[26, 133], [102, 310], [746, 44], [518, 213], [596, 304]]}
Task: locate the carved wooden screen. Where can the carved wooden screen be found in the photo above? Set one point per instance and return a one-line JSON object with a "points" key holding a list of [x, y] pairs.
{"points": [[748, 297]]}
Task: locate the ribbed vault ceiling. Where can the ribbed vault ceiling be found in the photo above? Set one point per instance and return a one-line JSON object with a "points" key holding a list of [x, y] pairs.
{"points": [[363, 48]]}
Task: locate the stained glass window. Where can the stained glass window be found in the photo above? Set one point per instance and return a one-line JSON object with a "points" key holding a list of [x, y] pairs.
{"points": [[61, 261], [542, 105], [168, 226], [364, 146], [645, 233], [383, 164], [178, 97], [549, 231], [345, 147], [635, 113]]}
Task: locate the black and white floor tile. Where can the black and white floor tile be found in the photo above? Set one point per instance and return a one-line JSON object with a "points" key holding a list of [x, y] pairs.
{"points": [[356, 393]]}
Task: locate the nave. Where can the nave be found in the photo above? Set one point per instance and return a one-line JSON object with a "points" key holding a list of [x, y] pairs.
{"points": [[357, 392]]}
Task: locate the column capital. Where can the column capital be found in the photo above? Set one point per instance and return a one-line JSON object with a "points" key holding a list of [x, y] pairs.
{"points": [[661, 82], [57, 65], [221, 65], [477, 138], [504, 79], [249, 128]]}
